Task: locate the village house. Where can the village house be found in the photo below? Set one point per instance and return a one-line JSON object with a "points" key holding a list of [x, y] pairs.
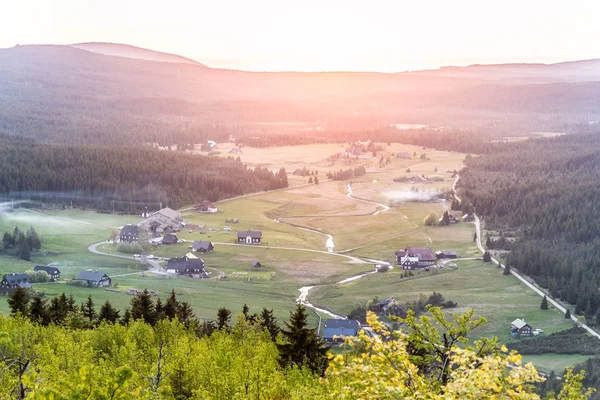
{"points": [[129, 233], [169, 239], [193, 267], [207, 207], [520, 328], [202, 246], [451, 219], [94, 278], [415, 257], [390, 306], [235, 150], [256, 264], [164, 220], [249, 237], [336, 329], [445, 254], [52, 271], [12, 281], [403, 155]]}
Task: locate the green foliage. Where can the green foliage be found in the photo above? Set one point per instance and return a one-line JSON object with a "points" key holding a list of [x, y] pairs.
{"points": [[568, 313], [130, 248], [487, 257], [38, 276], [21, 243], [18, 301]]}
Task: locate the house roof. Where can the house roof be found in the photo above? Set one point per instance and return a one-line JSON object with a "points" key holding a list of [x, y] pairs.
{"points": [[255, 263], [183, 263], [169, 213], [342, 323], [49, 270], [130, 230], [169, 238], [424, 253], [252, 234], [22, 280], [519, 323], [91, 276], [201, 245]]}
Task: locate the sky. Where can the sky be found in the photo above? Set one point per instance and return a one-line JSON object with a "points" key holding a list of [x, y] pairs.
{"points": [[322, 35]]}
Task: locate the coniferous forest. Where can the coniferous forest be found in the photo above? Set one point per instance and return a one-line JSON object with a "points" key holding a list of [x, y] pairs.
{"points": [[125, 178], [546, 191]]}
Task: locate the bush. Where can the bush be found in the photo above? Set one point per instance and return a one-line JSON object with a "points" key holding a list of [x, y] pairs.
{"points": [[130, 248], [38, 276], [430, 220]]}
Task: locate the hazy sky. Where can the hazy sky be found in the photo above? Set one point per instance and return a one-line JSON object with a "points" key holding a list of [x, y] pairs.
{"points": [[309, 35]]}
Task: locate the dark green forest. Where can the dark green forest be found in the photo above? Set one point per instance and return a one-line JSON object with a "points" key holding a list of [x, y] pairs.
{"points": [[547, 191], [125, 178]]}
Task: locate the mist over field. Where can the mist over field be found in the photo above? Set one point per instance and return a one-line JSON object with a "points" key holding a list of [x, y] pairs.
{"points": [[402, 196]]}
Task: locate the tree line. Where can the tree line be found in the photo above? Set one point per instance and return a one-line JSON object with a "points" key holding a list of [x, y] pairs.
{"points": [[167, 358], [124, 178], [546, 192], [21, 243]]}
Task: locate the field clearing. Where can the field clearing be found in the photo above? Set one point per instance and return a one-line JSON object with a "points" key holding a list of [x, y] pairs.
{"points": [[474, 285]]}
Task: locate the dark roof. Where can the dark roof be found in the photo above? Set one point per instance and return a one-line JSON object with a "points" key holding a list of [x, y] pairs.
{"points": [[130, 230], [49, 270], [18, 279], [184, 263], [91, 276], [255, 263], [252, 234], [169, 238], [201, 245], [342, 323]]}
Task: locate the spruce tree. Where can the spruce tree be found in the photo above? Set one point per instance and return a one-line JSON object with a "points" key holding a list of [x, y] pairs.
{"points": [[302, 346], [159, 310], [38, 310], [88, 309], [544, 305], [568, 314], [487, 257], [223, 317], [108, 313], [25, 251], [142, 307], [126, 317], [506, 270], [57, 310], [171, 306], [269, 322], [185, 313], [19, 302]]}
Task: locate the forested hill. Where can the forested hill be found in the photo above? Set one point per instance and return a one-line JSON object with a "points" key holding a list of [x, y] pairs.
{"points": [[131, 177], [63, 94], [547, 189]]}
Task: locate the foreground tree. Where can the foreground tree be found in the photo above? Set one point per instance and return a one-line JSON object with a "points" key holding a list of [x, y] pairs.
{"points": [[431, 359], [302, 346], [19, 302], [108, 313], [223, 317]]}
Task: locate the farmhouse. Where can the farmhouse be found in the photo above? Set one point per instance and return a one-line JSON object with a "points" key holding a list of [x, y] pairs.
{"points": [[169, 239], [193, 267], [403, 155], [129, 233], [451, 219], [206, 206], [256, 264], [391, 306], [202, 246], [13, 281], [335, 329], [249, 237], [445, 254], [235, 150], [94, 278], [520, 328], [52, 271], [163, 220], [415, 257], [354, 151]]}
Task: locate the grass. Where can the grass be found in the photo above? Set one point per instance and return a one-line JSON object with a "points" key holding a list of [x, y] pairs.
{"points": [[555, 362]]}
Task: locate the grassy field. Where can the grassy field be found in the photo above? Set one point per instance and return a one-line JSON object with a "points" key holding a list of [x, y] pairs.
{"points": [[555, 362]]}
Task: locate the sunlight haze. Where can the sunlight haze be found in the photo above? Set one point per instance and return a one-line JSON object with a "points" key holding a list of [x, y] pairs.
{"points": [[316, 35]]}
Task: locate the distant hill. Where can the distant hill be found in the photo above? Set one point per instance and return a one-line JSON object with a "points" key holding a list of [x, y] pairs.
{"points": [[125, 50], [71, 95]]}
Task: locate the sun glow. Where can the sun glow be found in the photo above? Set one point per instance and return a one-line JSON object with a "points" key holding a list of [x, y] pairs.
{"points": [[389, 35]]}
